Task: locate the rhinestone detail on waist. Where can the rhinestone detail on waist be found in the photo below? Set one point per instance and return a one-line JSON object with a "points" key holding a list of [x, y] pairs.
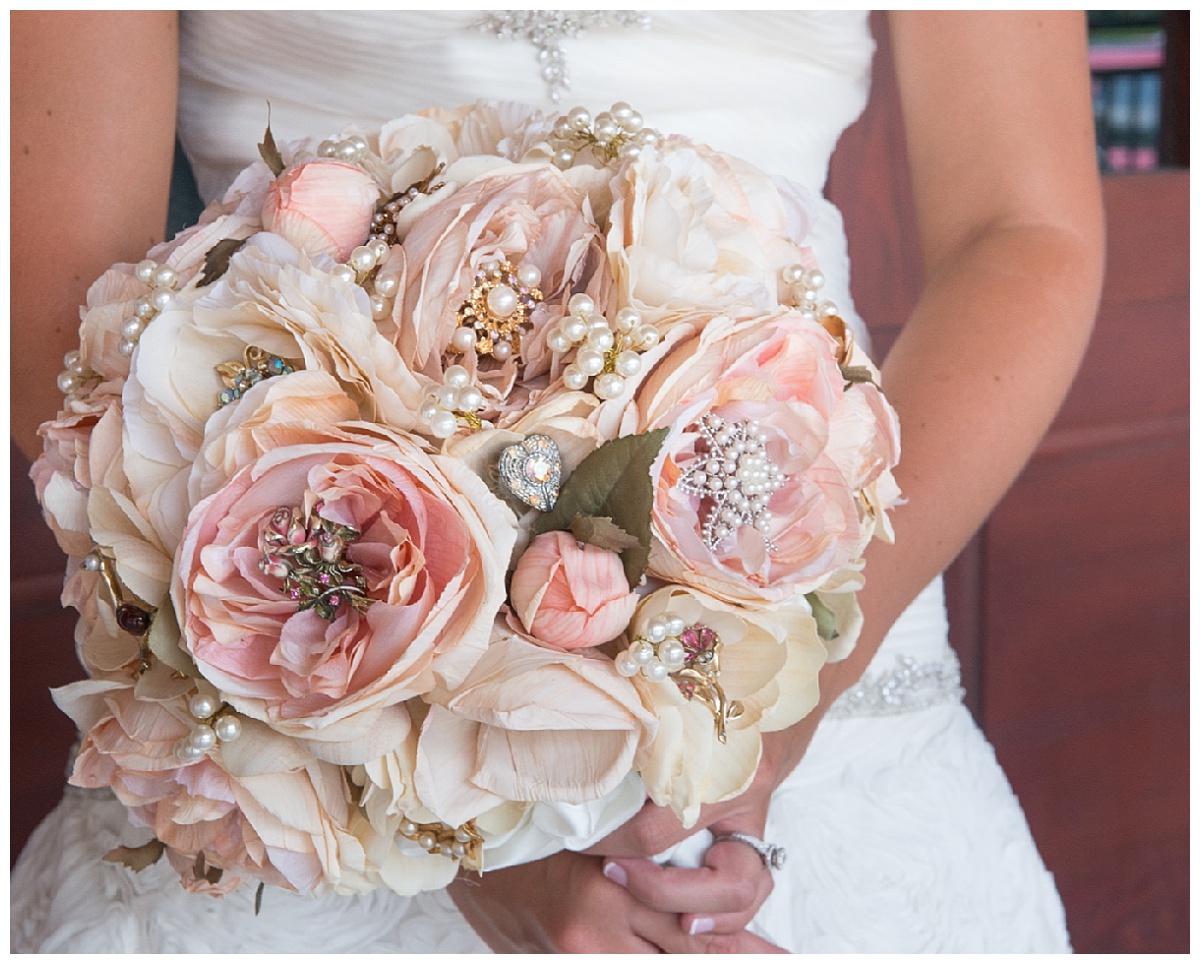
{"points": [[906, 688]]}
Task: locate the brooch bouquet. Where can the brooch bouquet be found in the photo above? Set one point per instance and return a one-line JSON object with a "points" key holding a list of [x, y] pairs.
{"points": [[451, 489]]}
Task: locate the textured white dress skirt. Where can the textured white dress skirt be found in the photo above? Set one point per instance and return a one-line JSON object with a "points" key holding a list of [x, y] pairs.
{"points": [[902, 832]]}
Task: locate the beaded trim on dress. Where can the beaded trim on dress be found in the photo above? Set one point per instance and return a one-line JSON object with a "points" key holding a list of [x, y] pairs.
{"points": [[906, 688]]}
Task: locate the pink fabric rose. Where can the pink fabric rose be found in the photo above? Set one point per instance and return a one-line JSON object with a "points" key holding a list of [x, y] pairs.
{"points": [[570, 595], [322, 206], [287, 828], [828, 442], [431, 552]]}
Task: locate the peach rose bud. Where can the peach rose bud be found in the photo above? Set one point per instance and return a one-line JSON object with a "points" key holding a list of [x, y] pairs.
{"points": [[569, 595], [322, 206]]}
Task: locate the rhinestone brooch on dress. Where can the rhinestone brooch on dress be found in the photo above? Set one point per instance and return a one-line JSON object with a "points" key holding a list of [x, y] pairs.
{"points": [[546, 29]]}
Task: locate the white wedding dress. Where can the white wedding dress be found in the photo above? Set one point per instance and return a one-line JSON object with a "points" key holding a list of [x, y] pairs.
{"points": [[902, 833]]}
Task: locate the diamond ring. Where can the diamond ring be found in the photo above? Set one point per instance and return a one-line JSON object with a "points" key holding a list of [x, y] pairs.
{"points": [[772, 856]]}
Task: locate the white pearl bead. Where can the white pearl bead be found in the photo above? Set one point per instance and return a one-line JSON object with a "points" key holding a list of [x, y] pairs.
{"points": [[359, 142], [470, 399], [133, 326], [641, 652], [379, 308], [657, 671], [647, 337], [379, 248], [628, 363], [463, 835], [633, 122], [610, 385], [502, 301], [202, 706], [556, 341], [827, 308], [458, 849], [815, 278], [93, 561], [429, 409], [343, 273], [675, 625], [457, 376], [144, 307], [160, 298], [627, 665], [203, 737], [574, 378], [326, 149], [71, 359], [463, 339], [579, 118], [164, 276], [145, 270], [387, 285], [672, 653], [628, 318], [574, 328], [529, 275], [67, 382], [581, 304], [590, 360], [621, 110], [126, 346], [443, 425], [656, 630], [564, 158], [648, 137], [502, 350], [427, 839], [186, 753], [362, 259], [408, 828], [447, 397], [629, 150], [228, 728], [600, 338]]}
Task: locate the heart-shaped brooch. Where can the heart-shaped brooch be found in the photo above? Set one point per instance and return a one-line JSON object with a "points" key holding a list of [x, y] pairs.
{"points": [[532, 471]]}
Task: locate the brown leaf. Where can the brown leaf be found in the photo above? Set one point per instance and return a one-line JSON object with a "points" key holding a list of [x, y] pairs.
{"points": [[269, 151], [856, 373], [216, 260], [137, 858], [602, 533], [258, 895]]}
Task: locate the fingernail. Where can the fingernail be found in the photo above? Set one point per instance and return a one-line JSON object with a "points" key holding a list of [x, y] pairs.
{"points": [[701, 925], [616, 873]]}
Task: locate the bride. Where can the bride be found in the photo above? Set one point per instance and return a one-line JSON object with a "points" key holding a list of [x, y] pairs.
{"points": [[902, 833]]}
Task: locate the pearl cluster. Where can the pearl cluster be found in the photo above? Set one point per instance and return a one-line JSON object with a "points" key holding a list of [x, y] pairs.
{"points": [[458, 843], [162, 280], [658, 652], [213, 727], [617, 133], [736, 475], [805, 284], [352, 150], [607, 353], [500, 302], [76, 376], [359, 267], [383, 223], [455, 398]]}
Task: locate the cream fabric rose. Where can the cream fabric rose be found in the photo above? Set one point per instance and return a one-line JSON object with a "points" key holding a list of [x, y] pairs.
{"points": [[781, 372], [323, 206], [769, 663], [694, 228], [528, 724], [569, 595], [290, 825], [433, 548]]}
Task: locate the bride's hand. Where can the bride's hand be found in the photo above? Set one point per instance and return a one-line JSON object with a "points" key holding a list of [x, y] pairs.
{"points": [[565, 903]]}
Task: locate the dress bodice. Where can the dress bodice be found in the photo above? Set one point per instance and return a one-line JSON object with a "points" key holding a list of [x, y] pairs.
{"points": [[774, 87]]}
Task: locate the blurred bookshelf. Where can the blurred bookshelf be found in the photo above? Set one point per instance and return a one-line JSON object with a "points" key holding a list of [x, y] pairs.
{"points": [[1140, 77]]}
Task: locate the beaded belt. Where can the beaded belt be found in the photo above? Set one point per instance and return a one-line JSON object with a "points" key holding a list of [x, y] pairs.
{"points": [[906, 688]]}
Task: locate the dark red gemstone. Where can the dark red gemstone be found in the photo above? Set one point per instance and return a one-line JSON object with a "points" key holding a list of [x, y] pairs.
{"points": [[133, 619]]}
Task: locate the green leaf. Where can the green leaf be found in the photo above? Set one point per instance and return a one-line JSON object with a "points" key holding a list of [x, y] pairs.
{"points": [[613, 483], [216, 260], [602, 533], [137, 858], [826, 620], [268, 151]]}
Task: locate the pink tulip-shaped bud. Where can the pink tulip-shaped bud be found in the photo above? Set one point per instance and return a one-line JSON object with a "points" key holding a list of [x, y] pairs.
{"points": [[323, 206]]}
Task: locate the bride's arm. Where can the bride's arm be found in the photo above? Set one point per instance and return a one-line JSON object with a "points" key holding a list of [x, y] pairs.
{"points": [[92, 141], [997, 113]]}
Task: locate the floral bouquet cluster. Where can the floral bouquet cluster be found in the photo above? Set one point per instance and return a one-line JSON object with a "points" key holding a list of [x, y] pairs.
{"points": [[449, 490]]}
